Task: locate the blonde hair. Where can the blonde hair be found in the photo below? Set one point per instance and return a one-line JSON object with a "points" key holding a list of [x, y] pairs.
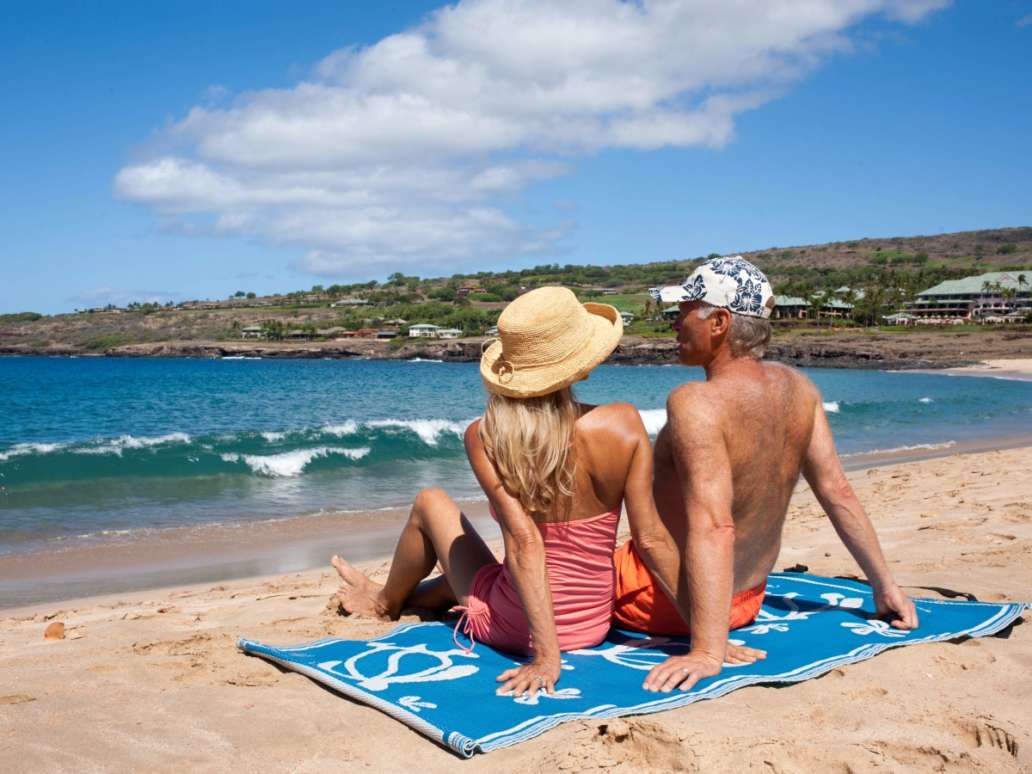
{"points": [[530, 443]]}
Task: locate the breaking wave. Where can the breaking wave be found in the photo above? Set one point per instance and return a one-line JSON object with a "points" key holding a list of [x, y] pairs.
{"points": [[267, 453]]}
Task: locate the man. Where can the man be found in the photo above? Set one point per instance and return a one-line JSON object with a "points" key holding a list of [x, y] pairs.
{"points": [[726, 464]]}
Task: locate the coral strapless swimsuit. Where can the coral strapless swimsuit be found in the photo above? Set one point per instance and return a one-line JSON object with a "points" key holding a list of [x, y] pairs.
{"points": [[579, 560]]}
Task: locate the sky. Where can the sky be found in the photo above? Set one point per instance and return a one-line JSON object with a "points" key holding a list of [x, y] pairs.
{"points": [[172, 151]]}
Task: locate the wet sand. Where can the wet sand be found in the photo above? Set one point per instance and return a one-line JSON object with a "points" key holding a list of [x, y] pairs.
{"points": [[152, 681], [152, 559]]}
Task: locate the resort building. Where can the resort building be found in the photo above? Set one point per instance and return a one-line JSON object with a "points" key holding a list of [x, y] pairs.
{"points": [[996, 296], [387, 333], [252, 332], [448, 333], [350, 302], [900, 318], [628, 317], [790, 308], [423, 331]]}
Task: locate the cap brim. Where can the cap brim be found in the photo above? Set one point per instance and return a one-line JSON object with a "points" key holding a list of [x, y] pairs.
{"points": [[672, 294], [607, 329]]}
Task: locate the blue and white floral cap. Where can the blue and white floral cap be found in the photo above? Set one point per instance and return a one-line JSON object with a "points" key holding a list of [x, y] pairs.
{"points": [[731, 282]]}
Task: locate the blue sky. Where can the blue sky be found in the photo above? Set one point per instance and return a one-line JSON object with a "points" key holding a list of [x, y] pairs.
{"points": [[194, 149]]}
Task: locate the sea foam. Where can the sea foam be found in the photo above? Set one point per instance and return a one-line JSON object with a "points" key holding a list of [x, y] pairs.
{"points": [[899, 449], [290, 464], [653, 419], [831, 406], [428, 430], [21, 449], [118, 445]]}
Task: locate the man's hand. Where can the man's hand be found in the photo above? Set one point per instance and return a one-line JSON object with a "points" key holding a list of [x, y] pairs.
{"points": [[538, 675], [743, 654], [682, 672], [896, 607]]}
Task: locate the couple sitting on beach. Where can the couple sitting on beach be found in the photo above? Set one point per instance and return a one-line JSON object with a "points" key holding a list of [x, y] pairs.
{"points": [[705, 508]]}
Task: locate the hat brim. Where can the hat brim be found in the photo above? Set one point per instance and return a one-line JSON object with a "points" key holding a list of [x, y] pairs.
{"points": [[607, 328]]}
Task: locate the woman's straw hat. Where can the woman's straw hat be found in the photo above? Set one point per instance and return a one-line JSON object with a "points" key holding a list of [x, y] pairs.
{"points": [[548, 340]]}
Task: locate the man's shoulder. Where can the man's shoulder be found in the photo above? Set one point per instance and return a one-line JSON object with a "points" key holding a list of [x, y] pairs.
{"points": [[696, 401]]}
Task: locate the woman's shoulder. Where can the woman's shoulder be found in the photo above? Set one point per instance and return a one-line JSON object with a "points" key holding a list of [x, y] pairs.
{"points": [[620, 418]]}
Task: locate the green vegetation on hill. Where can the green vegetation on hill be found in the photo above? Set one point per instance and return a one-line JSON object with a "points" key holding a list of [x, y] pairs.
{"points": [[877, 276]]}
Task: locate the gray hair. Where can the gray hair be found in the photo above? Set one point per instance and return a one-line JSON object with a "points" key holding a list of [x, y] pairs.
{"points": [[749, 335]]}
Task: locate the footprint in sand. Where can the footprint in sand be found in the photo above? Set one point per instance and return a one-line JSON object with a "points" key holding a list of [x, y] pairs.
{"points": [[634, 744], [17, 698], [983, 732]]}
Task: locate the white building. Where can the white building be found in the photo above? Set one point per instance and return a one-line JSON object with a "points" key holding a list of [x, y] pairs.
{"points": [[449, 333], [423, 331]]}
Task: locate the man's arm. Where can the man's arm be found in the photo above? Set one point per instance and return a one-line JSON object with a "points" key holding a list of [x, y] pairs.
{"points": [[823, 470], [652, 539], [704, 470]]}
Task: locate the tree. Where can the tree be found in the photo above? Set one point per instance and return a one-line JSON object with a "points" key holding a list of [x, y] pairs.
{"points": [[869, 309], [252, 295], [272, 329]]}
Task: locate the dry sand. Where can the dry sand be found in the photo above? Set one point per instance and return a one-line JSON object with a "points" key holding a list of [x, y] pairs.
{"points": [[151, 681], [1012, 368]]}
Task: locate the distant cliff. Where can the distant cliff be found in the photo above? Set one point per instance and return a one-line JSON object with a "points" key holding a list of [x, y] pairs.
{"points": [[830, 349]]}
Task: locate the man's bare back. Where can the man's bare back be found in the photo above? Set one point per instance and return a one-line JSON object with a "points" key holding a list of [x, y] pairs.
{"points": [[766, 414], [728, 459]]}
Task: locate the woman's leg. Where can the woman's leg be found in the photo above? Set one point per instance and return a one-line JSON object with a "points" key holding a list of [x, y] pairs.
{"points": [[436, 531]]}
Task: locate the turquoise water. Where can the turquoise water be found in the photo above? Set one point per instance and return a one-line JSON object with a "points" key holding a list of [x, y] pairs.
{"points": [[93, 446]]}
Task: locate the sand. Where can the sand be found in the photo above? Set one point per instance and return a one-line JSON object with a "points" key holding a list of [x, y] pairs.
{"points": [[1011, 368], [151, 681]]}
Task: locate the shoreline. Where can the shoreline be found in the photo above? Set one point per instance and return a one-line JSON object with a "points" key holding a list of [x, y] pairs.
{"points": [[1015, 369], [155, 560], [831, 348]]}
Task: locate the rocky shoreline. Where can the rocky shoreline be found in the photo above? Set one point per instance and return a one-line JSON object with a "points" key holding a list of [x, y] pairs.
{"points": [[827, 349]]}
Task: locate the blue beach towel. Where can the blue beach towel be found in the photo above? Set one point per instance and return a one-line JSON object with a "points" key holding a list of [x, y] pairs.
{"points": [[808, 625]]}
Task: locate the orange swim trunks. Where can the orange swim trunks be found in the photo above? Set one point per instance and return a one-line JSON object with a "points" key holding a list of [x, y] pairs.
{"points": [[642, 607]]}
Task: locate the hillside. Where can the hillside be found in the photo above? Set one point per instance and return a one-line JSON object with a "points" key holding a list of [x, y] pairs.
{"points": [[889, 270]]}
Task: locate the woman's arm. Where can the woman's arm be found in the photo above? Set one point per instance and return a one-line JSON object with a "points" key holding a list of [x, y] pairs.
{"points": [[525, 560]]}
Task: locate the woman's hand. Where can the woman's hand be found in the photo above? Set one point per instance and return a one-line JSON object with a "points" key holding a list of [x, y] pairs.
{"points": [[538, 675]]}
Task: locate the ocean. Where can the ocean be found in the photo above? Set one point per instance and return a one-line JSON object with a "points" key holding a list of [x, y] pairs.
{"points": [[92, 448]]}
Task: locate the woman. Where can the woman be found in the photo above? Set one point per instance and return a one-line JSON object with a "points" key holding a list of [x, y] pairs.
{"points": [[555, 473]]}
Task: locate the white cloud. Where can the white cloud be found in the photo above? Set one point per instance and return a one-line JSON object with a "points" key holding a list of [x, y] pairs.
{"points": [[122, 296], [412, 149], [1024, 21]]}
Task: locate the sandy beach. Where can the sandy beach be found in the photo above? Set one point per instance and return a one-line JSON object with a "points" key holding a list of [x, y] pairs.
{"points": [[1011, 368], [152, 680]]}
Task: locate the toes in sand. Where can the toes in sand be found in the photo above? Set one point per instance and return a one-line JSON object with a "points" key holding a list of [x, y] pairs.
{"points": [[358, 595]]}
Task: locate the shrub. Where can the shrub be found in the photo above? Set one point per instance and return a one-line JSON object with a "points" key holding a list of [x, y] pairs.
{"points": [[20, 317]]}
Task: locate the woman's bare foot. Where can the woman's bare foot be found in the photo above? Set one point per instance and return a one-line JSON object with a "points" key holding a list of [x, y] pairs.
{"points": [[358, 595]]}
